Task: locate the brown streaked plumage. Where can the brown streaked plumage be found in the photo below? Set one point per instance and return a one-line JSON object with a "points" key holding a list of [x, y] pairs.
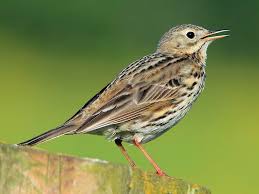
{"points": [[149, 96]]}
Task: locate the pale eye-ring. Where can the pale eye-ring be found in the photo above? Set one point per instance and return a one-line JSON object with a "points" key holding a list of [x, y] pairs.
{"points": [[190, 35]]}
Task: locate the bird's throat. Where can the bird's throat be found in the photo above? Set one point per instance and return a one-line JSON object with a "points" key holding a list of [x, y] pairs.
{"points": [[201, 54]]}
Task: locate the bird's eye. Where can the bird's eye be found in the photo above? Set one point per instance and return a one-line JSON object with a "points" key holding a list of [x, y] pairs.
{"points": [[190, 35]]}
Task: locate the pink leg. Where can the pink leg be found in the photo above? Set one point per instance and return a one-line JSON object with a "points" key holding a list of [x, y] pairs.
{"points": [[158, 170], [124, 152]]}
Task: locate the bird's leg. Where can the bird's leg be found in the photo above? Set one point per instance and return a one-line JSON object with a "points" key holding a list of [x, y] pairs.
{"points": [[158, 170], [124, 152]]}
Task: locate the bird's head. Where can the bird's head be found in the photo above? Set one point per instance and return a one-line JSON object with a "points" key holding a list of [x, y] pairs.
{"points": [[188, 39]]}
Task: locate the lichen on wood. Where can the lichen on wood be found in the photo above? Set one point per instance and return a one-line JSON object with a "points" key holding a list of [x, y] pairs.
{"points": [[29, 171]]}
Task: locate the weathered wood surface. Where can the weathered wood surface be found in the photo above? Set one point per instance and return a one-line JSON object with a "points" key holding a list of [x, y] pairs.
{"points": [[31, 171]]}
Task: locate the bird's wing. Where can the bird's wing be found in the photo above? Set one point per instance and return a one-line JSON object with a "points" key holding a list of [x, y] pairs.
{"points": [[142, 92], [129, 107]]}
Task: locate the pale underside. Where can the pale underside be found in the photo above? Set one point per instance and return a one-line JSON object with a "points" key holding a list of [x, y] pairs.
{"points": [[147, 98]]}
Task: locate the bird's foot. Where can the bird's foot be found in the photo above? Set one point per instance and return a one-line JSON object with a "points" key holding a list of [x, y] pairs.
{"points": [[161, 173]]}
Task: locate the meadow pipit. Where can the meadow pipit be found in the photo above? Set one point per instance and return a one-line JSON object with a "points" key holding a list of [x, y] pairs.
{"points": [[149, 96]]}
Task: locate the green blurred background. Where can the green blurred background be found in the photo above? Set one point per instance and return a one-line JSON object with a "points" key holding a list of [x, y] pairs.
{"points": [[55, 55]]}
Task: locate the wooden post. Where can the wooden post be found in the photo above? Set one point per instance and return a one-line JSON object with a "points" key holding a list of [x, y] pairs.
{"points": [[30, 171]]}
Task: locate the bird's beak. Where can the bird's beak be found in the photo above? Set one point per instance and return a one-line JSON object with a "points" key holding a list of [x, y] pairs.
{"points": [[214, 35]]}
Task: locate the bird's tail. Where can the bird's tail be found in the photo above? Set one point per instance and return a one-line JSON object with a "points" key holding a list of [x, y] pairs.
{"points": [[51, 134]]}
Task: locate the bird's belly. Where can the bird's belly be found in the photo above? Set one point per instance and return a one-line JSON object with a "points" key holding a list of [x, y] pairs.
{"points": [[150, 131], [164, 125], [147, 131]]}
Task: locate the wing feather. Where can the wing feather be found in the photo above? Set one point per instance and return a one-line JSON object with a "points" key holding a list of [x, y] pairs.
{"points": [[134, 99], [158, 93], [112, 119], [130, 111]]}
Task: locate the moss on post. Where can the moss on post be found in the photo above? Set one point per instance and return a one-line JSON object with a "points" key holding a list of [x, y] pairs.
{"points": [[29, 171]]}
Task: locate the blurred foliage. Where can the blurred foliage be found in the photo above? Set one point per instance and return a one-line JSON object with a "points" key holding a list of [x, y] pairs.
{"points": [[55, 55]]}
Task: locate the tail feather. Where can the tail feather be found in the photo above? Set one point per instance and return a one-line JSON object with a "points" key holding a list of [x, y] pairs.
{"points": [[51, 134]]}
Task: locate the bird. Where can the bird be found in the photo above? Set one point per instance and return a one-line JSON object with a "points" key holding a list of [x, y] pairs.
{"points": [[148, 97]]}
